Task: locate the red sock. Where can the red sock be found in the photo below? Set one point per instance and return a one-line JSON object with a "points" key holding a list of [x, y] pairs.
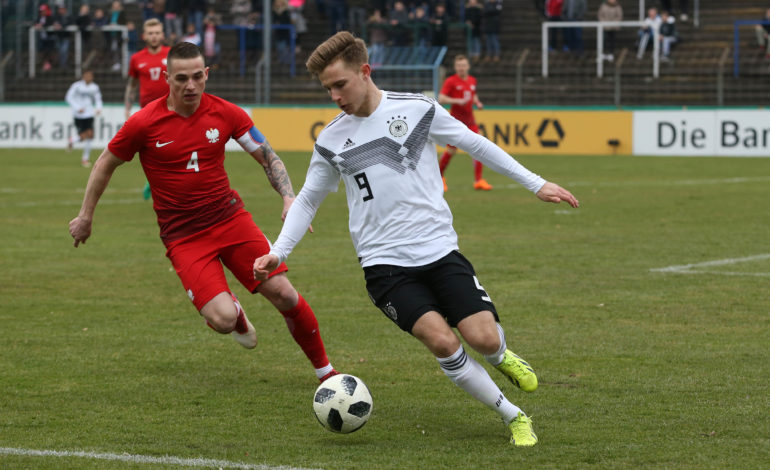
{"points": [[444, 162], [477, 166], [240, 322], [303, 326]]}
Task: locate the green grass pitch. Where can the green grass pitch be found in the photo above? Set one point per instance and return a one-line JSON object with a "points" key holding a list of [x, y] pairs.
{"points": [[639, 367]]}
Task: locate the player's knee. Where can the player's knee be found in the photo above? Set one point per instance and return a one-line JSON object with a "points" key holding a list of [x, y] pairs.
{"points": [[279, 292], [444, 344], [222, 317]]}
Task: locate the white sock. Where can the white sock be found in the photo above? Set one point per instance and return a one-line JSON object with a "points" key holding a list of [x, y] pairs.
{"points": [[470, 376], [87, 150], [320, 373], [497, 357], [75, 138]]}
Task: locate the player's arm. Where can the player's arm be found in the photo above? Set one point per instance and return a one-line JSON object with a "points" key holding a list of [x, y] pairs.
{"points": [[276, 174], [477, 102], [130, 95], [446, 99], [80, 226]]}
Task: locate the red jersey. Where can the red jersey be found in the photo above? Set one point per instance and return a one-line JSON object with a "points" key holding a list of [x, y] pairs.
{"points": [[183, 160], [456, 87], [148, 69]]}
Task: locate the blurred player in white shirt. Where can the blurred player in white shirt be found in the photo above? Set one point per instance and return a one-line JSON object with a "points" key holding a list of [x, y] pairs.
{"points": [[383, 147], [85, 99]]}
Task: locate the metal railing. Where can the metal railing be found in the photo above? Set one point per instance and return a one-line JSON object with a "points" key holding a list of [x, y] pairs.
{"points": [[3, 63], [75, 31], [599, 25], [242, 30], [737, 41]]}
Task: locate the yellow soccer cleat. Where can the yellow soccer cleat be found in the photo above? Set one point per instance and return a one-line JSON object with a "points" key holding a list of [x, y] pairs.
{"points": [[518, 371], [522, 434]]}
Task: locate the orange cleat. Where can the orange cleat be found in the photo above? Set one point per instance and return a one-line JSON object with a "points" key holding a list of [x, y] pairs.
{"points": [[482, 185]]}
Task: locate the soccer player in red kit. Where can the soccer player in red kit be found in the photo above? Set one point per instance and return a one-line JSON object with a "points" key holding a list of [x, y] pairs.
{"points": [[147, 71], [203, 223], [459, 91], [148, 67]]}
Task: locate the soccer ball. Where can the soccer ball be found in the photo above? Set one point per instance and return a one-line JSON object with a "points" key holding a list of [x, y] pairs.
{"points": [[342, 403]]}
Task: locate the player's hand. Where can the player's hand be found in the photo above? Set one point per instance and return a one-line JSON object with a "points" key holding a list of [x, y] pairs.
{"points": [[287, 202], [264, 265], [80, 230], [479, 105], [552, 192]]}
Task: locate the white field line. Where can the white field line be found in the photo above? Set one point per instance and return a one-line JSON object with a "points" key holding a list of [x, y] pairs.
{"points": [[143, 459], [695, 267], [690, 182]]}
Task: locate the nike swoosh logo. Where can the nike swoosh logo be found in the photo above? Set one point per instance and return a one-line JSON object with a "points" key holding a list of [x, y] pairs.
{"points": [[158, 144]]}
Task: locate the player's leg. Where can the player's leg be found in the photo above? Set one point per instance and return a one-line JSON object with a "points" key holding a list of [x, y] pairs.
{"points": [[87, 137], [408, 301], [246, 243], [443, 162], [198, 267], [466, 304]]}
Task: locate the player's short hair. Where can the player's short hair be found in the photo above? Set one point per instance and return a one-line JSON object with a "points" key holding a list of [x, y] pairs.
{"points": [[342, 46], [152, 22], [460, 57], [183, 50]]}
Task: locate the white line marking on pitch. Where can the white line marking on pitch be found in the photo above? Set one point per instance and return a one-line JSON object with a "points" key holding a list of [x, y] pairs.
{"points": [[694, 268], [148, 459]]}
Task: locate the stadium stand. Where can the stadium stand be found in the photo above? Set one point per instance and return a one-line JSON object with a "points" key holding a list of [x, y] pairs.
{"points": [[691, 78]]}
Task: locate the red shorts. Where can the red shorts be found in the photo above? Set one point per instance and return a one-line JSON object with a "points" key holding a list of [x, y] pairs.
{"points": [[198, 259], [472, 127]]}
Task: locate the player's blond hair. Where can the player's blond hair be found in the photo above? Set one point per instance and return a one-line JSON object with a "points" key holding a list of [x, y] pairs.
{"points": [[460, 57], [342, 46], [152, 22]]}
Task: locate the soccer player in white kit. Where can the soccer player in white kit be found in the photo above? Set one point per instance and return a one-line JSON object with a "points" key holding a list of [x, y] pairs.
{"points": [[85, 100], [383, 147]]}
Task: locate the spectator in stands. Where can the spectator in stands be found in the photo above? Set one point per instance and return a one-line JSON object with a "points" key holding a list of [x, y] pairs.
{"points": [[378, 37], [668, 34], [398, 17], [47, 38], [610, 10], [116, 18], [647, 31], [421, 23], [282, 36], [172, 20], [195, 11], [61, 21], [99, 20], [763, 34], [473, 19], [684, 7], [132, 38], [148, 10], [192, 36], [240, 10], [356, 16], [574, 10], [553, 11], [338, 15], [490, 26], [83, 21], [440, 26], [296, 8], [159, 9], [211, 47]]}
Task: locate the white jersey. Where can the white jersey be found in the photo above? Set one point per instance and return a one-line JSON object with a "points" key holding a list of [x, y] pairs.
{"points": [[397, 211], [84, 99]]}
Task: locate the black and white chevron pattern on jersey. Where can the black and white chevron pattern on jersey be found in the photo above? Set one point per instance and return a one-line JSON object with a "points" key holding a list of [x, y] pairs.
{"points": [[383, 150]]}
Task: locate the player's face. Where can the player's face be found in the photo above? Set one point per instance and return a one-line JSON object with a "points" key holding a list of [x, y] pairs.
{"points": [[347, 85], [88, 77], [462, 67], [187, 80], [153, 36]]}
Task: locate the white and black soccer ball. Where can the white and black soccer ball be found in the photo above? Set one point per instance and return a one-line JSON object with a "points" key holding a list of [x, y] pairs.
{"points": [[342, 403]]}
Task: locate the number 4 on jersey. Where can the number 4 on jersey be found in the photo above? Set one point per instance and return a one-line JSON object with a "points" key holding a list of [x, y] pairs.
{"points": [[193, 163]]}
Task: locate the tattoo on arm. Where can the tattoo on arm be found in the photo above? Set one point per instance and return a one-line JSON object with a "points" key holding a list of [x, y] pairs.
{"points": [[276, 171]]}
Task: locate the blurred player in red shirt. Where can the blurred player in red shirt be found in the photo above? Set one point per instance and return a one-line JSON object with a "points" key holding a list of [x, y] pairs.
{"points": [[147, 71], [203, 224], [459, 90]]}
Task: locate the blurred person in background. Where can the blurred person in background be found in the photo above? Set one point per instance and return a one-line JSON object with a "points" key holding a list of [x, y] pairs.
{"points": [[61, 21], [574, 10], [610, 10], [473, 20], [647, 31], [684, 8], [763, 34], [85, 101], [668, 34], [491, 15], [459, 91], [47, 38]]}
